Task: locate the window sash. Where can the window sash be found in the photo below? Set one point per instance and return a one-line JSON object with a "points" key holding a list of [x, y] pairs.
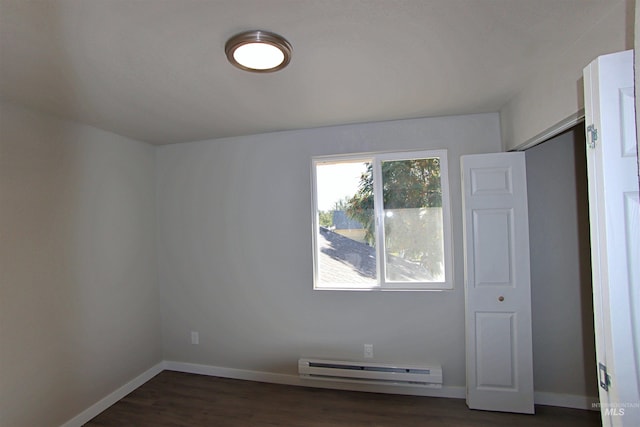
{"points": [[380, 248]]}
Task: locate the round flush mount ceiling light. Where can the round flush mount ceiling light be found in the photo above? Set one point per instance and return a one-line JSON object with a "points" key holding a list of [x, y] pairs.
{"points": [[258, 51]]}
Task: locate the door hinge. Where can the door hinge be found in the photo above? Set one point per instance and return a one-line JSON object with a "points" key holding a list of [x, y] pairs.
{"points": [[592, 136], [603, 377]]}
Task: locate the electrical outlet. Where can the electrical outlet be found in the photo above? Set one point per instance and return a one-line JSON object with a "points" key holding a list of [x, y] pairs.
{"points": [[195, 337], [368, 351]]}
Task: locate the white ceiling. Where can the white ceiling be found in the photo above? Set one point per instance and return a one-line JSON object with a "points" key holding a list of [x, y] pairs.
{"points": [[155, 70]]}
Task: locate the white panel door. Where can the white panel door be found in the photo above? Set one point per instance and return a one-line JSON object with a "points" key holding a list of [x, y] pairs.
{"points": [[497, 283], [614, 214]]}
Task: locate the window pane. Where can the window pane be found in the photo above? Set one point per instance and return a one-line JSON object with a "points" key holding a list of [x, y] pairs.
{"points": [[413, 220], [345, 234], [410, 221]]}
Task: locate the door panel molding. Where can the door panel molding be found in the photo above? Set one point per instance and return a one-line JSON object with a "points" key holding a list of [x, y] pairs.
{"points": [[497, 283]]}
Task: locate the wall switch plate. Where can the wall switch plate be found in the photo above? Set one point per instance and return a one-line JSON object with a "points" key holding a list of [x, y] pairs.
{"points": [[195, 337], [368, 351]]}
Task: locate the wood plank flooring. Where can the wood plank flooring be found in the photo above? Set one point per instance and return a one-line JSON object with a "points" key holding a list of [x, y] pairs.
{"points": [[179, 399]]}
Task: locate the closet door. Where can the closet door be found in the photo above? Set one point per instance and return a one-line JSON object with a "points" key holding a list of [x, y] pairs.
{"points": [[614, 215], [497, 283]]}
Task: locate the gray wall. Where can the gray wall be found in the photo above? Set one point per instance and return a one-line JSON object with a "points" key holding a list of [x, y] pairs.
{"points": [[563, 338], [554, 91], [79, 306], [234, 227], [79, 311]]}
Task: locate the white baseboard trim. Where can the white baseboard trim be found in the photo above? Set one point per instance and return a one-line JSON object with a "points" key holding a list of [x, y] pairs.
{"points": [[540, 398], [289, 379], [95, 409], [566, 400]]}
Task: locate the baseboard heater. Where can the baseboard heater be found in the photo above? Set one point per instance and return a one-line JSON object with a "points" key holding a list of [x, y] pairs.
{"points": [[375, 373]]}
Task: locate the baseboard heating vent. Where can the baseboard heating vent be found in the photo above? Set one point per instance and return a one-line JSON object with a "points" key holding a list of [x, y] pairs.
{"points": [[377, 373]]}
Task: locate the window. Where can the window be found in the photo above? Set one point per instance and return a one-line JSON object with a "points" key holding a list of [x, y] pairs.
{"points": [[382, 221]]}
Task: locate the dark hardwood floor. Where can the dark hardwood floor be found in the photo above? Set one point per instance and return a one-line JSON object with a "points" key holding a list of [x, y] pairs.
{"points": [[178, 399]]}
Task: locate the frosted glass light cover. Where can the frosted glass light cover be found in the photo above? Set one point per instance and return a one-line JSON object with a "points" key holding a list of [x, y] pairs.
{"points": [[258, 56]]}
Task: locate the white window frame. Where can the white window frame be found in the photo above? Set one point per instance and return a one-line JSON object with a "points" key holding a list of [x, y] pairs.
{"points": [[382, 284]]}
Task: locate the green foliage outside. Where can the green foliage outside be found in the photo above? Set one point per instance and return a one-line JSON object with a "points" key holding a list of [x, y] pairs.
{"points": [[325, 218], [412, 230]]}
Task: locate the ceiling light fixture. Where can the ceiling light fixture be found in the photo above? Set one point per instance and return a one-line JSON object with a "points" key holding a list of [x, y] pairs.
{"points": [[258, 51]]}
